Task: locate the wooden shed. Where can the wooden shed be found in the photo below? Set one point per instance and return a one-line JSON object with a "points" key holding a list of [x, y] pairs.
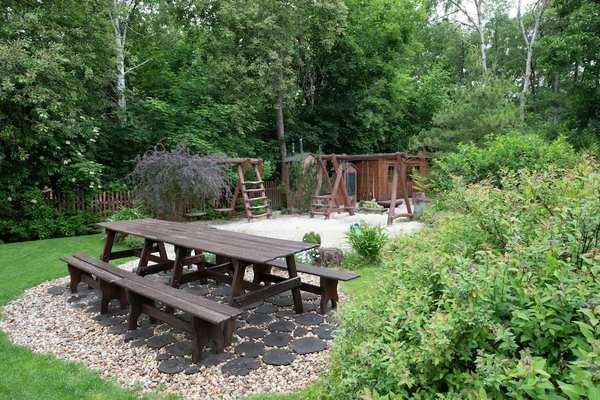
{"points": [[375, 177]]}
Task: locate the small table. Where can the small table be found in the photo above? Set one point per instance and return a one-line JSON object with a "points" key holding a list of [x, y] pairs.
{"points": [[234, 253]]}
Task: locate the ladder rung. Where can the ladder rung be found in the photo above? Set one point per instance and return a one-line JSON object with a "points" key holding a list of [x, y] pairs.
{"points": [[326, 196], [260, 215], [319, 213], [253, 182], [257, 207], [257, 198], [253, 190]]}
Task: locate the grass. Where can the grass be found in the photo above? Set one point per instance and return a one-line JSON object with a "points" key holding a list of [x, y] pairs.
{"points": [[27, 375]]}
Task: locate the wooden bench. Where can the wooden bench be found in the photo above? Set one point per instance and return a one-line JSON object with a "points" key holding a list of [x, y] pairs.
{"points": [[100, 279], [329, 279], [210, 321]]}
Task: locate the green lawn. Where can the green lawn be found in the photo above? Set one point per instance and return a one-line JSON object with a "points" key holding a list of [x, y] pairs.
{"points": [[33, 376]]}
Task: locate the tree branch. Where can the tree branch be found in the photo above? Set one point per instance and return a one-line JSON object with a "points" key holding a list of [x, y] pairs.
{"points": [[137, 66]]}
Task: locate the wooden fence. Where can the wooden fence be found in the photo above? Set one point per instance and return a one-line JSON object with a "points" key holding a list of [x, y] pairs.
{"points": [[104, 203]]}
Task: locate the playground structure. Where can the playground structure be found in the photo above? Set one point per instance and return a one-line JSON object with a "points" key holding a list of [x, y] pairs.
{"points": [[254, 196], [383, 177]]}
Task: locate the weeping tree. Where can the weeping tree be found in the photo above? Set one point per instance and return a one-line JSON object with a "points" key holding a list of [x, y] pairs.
{"points": [[170, 181]]}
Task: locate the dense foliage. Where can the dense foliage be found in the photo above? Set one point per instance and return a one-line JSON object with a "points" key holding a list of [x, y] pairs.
{"points": [[499, 153], [498, 298], [352, 76]]}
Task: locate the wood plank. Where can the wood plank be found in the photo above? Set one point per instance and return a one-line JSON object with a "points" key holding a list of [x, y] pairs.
{"points": [[170, 319], [268, 291], [91, 269], [318, 271], [305, 287], [174, 300], [162, 288]]}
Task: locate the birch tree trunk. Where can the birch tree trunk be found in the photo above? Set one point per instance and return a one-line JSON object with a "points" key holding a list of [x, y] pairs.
{"points": [[482, 41], [476, 23], [120, 50], [529, 39], [120, 15]]}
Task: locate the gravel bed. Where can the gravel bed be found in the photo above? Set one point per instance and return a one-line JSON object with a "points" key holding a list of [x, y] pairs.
{"points": [[278, 354]]}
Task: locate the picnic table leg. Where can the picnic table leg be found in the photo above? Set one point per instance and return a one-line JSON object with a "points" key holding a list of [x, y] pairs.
{"points": [[201, 266], [180, 254], [162, 251], [108, 245], [239, 268], [292, 272], [145, 255]]}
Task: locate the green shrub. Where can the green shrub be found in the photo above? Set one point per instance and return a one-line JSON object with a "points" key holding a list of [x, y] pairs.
{"points": [[499, 299], [367, 240], [32, 217], [312, 237], [309, 256], [508, 152], [126, 214]]}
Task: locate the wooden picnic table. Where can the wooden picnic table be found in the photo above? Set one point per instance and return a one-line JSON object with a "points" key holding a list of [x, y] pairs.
{"points": [[234, 252]]}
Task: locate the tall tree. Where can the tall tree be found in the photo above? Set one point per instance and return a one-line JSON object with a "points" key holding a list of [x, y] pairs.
{"points": [[529, 37], [272, 43]]}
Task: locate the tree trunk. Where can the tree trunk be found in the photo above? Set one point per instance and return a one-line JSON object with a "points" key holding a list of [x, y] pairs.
{"points": [[120, 49], [529, 44], [482, 43], [526, 83], [285, 176]]}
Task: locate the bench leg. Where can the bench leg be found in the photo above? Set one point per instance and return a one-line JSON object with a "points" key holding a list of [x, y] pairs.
{"points": [[123, 298], [75, 278], [200, 331], [328, 292], [135, 310], [106, 295]]}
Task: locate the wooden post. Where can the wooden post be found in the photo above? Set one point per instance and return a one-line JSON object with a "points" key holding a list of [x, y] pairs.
{"points": [[404, 183], [392, 210]]}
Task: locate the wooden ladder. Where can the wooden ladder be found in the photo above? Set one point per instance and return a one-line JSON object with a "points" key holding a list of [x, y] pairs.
{"points": [[254, 195]]}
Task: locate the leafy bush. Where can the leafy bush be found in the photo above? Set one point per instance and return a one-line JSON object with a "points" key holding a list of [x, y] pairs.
{"points": [[126, 214], [367, 240], [310, 256], [32, 217], [370, 204], [509, 152], [500, 299], [168, 182], [312, 237]]}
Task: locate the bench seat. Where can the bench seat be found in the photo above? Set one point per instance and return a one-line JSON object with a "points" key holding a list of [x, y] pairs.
{"points": [[210, 321], [328, 279]]}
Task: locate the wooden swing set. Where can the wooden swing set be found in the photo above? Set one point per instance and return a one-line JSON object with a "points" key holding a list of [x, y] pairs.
{"points": [[337, 199]]}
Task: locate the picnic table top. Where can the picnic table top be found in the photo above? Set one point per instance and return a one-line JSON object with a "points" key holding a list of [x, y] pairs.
{"points": [[240, 246]]}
